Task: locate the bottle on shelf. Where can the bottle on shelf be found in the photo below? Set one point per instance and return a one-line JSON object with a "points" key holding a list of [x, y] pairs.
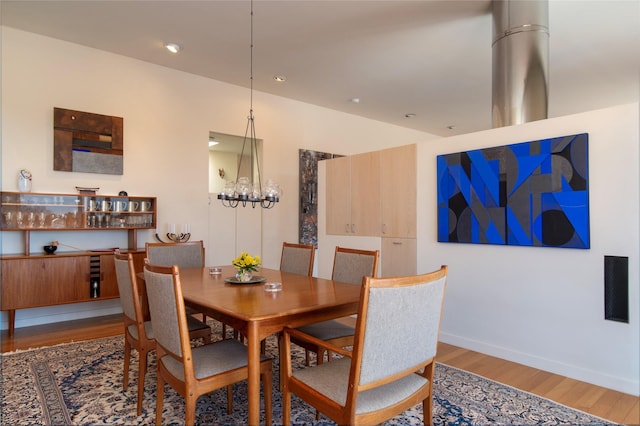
{"points": [[95, 288]]}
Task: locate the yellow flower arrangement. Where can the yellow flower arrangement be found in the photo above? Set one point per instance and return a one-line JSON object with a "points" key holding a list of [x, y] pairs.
{"points": [[245, 262]]}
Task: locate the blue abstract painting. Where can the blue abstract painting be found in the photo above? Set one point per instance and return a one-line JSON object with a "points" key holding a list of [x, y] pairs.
{"points": [[526, 194]]}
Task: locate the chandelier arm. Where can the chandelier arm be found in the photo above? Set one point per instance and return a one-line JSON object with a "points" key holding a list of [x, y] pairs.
{"points": [[244, 142], [255, 150]]}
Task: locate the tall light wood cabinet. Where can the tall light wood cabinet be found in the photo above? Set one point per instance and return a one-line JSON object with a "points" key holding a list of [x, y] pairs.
{"points": [[374, 194], [398, 211], [353, 195]]}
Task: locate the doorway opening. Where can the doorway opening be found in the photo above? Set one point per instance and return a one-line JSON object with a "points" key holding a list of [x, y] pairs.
{"points": [[231, 230]]}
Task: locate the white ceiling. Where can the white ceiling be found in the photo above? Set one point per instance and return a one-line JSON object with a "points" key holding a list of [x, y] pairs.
{"points": [[429, 58]]}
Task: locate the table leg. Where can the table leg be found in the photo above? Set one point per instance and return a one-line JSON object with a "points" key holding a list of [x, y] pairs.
{"points": [[253, 347], [12, 322]]}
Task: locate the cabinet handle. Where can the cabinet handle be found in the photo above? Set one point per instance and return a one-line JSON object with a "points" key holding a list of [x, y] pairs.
{"points": [[397, 243], [346, 228], [353, 228], [384, 228]]}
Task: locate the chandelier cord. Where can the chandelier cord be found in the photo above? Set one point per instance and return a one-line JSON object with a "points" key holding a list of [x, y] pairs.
{"points": [[251, 65]]}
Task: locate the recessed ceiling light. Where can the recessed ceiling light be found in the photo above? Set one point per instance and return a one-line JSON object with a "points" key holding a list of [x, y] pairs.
{"points": [[280, 78], [409, 115], [172, 47], [355, 100], [451, 127]]}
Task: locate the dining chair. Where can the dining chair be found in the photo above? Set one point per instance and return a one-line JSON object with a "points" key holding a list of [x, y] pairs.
{"points": [[138, 331], [193, 372], [349, 266], [297, 258], [186, 255], [389, 370]]}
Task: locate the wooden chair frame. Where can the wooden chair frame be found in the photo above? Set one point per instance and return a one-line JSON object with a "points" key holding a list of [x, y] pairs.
{"points": [[142, 343], [346, 414], [200, 243], [192, 387], [346, 340]]}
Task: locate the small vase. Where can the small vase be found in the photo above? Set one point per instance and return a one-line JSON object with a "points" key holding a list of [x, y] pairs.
{"points": [[244, 276], [24, 181]]}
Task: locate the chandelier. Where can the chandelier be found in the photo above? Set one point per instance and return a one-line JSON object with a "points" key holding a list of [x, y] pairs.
{"points": [[249, 190]]}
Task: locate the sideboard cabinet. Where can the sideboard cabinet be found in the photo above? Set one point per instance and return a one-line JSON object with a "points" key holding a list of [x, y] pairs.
{"points": [[32, 280]]}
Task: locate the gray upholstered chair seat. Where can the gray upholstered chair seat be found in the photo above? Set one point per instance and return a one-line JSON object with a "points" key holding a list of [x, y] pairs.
{"points": [[148, 330], [331, 379], [212, 359], [327, 330]]}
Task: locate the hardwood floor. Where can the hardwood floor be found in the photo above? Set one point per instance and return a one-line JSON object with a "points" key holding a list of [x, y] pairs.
{"points": [[608, 404]]}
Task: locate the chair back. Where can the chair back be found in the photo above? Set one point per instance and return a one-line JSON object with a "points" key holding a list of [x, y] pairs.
{"points": [[398, 325], [297, 258], [185, 255], [128, 287], [166, 306], [351, 265]]}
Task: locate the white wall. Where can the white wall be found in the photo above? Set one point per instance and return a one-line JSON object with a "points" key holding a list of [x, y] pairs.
{"points": [[544, 307], [167, 119]]}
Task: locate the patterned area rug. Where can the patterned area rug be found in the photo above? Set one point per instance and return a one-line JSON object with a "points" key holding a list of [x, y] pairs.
{"points": [[81, 384]]}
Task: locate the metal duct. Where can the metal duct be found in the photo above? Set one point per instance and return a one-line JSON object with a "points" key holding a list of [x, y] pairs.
{"points": [[520, 61]]}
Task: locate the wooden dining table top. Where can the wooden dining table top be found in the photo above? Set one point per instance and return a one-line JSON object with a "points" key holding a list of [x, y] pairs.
{"points": [[302, 300]]}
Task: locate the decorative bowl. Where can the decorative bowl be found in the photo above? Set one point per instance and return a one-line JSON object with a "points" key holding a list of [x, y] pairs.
{"points": [[50, 249]]}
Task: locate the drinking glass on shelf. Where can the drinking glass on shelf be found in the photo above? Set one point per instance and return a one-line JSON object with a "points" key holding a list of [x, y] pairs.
{"points": [[31, 219], [19, 219], [8, 219], [42, 218]]}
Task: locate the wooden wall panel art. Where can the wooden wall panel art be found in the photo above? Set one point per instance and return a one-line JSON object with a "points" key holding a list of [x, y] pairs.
{"points": [[87, 142]]}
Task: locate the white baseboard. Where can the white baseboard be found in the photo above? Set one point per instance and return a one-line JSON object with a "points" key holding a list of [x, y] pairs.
{"points": [[576, 372], [53, 314]]}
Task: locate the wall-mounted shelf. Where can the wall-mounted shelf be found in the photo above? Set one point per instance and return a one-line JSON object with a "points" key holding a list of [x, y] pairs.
{"points": [[29, 211]]}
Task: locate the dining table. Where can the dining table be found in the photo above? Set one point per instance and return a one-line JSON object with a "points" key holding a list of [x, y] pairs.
{"points": [[263, 306]]}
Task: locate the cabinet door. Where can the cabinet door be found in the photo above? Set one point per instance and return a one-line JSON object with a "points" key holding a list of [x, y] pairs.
{"points": [[44, 281], [365, 194], [338, 196], [398, 257], [108, 279], [398, 191]]}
